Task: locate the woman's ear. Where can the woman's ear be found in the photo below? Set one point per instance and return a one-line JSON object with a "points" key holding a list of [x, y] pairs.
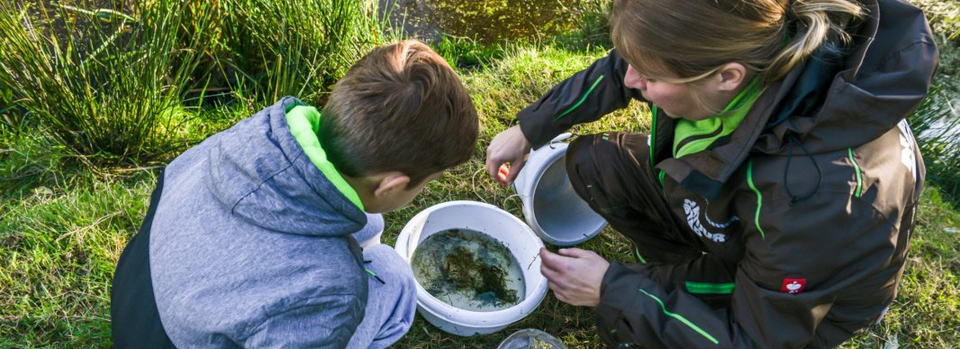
{"points": [[731, 76]]}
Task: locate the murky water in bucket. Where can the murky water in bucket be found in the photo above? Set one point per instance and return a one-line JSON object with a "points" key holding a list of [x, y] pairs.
{"points": [[469, 270]]}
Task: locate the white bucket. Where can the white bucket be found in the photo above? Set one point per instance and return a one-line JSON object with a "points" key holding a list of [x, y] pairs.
{"points": [[550, 205], [498, 224]]}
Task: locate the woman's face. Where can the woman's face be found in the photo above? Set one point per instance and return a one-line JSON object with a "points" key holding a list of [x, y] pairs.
{"points": [[677, 100]]}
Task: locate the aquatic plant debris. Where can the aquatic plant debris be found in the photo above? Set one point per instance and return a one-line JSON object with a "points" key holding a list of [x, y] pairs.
{"points": [[469, 270]]}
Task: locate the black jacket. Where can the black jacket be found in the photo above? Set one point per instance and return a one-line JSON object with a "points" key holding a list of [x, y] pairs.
{"points": [[819, 184]]}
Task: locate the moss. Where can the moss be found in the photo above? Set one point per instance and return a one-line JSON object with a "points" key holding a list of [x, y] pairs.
{"points": [[466, 272], [466, 263]]}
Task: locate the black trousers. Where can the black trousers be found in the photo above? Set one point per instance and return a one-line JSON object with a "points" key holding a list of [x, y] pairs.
{"points": [[133, 308], [611, 171]]}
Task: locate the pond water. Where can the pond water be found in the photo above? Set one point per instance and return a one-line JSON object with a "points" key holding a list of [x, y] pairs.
{"points": [[484, 21], [469, 270]]}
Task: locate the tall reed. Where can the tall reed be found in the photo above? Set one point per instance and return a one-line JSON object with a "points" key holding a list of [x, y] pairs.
{"points": [[10, 112], [107, 82], [299, 48], [937, 126]]}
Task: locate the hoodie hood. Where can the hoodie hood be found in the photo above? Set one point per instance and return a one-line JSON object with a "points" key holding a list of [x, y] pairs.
{"points": [[872, 88], [258, 171]]}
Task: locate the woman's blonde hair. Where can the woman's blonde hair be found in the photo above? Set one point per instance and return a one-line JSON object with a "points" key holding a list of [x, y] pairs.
{"points": [[692, 39]]}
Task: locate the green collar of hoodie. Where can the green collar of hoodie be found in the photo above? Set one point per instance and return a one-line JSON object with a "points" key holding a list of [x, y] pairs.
{"points": [[695, 136], [304, 123]]}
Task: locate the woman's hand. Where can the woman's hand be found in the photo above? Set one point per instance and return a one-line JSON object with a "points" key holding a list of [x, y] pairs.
{"points": [[574, 275], [508, 147]]}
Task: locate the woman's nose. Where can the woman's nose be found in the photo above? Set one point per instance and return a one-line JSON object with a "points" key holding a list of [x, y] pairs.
{"points": [[634, 80]]}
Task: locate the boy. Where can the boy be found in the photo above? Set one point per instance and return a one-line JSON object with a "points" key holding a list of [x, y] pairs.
{"points": [[247, 242]]}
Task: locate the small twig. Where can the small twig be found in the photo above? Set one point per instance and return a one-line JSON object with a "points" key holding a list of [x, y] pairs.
{"points": [[136, 169], [473, 185], [91, 226], [534, 260], [511, 196]]}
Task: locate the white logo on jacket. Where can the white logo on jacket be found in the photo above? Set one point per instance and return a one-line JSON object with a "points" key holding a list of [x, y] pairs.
{"points": [[908, 142], [693, 219]]}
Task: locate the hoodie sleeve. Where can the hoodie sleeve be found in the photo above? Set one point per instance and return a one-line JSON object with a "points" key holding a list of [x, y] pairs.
{"points": [[803, 283], [325, 323], [584, 97]]}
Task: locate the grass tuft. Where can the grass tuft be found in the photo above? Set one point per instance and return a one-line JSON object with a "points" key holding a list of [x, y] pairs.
{"points": [[106, 83], [297, 48]]}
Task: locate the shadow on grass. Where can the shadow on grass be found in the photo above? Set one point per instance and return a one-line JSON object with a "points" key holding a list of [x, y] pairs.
{"points": [[32, 164]]}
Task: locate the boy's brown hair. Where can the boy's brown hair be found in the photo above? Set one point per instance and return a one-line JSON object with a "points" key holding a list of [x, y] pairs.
{"points": [[399, 108]]}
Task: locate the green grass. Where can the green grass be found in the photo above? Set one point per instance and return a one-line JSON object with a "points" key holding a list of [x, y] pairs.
{"points": [[57, 254], [64, 220]]}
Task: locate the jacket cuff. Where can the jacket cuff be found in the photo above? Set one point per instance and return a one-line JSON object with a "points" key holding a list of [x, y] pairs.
{"points": [[618, 292], [538, 133]]}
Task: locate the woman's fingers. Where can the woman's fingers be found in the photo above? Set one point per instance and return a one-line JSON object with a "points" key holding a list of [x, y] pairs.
{"points": [[514, 170], [576, 253], [551, 260], [574, 275], [558, 292], [508, 172], [507, 147], [493, 165]]}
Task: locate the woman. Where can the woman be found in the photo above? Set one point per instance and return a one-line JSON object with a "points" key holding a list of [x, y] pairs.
{"points": [[772, 202]]}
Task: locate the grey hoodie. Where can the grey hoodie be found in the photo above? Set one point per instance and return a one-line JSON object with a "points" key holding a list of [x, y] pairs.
{"points": [[250, 247]]}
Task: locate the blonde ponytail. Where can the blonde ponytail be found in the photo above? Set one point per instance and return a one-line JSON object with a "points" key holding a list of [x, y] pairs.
{"points": [[814, 21]]}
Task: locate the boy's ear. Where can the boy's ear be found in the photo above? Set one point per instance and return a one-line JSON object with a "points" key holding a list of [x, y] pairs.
{"points": [[731, 76], [390, 181]]}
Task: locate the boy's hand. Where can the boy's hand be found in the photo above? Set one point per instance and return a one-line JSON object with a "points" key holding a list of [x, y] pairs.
{"points": [[507, 147], [574, 275]]}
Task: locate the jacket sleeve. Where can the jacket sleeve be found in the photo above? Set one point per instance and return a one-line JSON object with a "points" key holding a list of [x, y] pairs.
{"points": [[325, 323], [846, 261], [584, 97]]}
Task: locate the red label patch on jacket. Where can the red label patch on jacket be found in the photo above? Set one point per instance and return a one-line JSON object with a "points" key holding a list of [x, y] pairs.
{"points": [[793, 286]]}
